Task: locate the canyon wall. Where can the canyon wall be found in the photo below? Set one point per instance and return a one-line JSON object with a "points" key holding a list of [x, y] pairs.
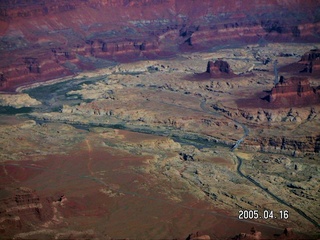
{"points": [[42, 39]]}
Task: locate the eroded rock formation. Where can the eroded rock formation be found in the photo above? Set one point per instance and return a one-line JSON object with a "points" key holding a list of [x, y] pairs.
{"points": [[287, 233], [42, 39], [294, 91], [21, 208], [198, 236], [253, 235], [311, 61], [219, 68]]}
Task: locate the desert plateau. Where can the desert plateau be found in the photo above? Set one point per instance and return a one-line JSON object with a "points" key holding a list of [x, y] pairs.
{"points": [[160, 119]]}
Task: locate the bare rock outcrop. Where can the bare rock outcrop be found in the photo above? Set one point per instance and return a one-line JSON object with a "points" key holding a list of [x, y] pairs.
{"points": [[295, 91], [311, 62], [253, 235], [198, 236], [293, 146], [21, 208], [219, 68], [18, 100], [60, 38], [287, 233]]}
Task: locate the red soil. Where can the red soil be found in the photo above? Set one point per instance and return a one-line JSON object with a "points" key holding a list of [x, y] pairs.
{"points": [[141, 207]]}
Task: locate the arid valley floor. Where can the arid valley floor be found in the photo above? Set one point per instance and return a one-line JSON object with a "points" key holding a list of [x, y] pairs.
{"points": [[143, 150]]}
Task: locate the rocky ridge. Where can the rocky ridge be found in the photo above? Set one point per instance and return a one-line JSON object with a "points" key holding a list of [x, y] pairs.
{"points": [[292, 120]]}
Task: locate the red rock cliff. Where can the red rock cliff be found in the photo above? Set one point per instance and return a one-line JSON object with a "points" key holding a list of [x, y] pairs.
{"points": [[44, 39], [21, 209], [295, 91], [311, 61]]}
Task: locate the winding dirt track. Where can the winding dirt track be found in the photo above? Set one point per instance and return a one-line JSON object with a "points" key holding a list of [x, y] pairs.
{"points": [[145, 197], [205, 109], [246, 133], [279, 200], [236, 145]]}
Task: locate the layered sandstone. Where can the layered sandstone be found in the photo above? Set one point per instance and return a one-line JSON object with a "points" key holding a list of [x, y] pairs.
{"points": [[311, 62], [295, 91], [41, 39], [21, 207]]}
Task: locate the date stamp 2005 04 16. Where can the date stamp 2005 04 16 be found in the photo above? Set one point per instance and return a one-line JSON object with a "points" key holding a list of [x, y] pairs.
{"points": [[266, 214]]}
